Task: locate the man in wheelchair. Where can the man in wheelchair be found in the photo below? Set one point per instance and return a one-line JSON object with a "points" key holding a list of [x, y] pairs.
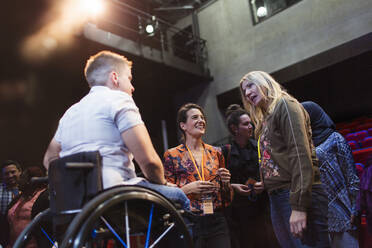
{"points": [[107, 120]]}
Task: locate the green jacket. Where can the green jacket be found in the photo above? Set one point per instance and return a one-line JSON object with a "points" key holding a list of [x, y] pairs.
{"points": [[288, 154]]}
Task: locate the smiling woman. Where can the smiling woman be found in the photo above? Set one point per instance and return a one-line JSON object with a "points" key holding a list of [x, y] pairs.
{"points": [[194, 167]]}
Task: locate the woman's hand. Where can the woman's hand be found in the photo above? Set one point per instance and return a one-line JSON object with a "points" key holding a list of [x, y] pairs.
{"points": [[258, 187], [241, 189], [297, 223], [224, 174], [199, 187]]}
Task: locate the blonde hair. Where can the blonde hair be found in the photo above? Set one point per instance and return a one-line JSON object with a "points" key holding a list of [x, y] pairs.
{"points": [[99, 67], [271, 91]]}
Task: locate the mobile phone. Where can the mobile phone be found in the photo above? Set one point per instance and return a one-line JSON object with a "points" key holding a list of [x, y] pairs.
{"points": [[250, 183]]}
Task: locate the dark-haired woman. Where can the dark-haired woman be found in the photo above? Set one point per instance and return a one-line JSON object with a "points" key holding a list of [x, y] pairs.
{"points": [[339, 177], [199, 170], [19, 213], [249, 211]]}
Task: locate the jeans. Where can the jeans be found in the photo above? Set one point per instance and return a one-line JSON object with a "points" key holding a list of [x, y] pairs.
{"points": [[344, 239], [172, 193], [316, 232]]}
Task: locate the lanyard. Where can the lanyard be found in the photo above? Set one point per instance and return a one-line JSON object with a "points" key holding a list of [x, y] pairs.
{"points": [[196, 167], [259, 158], [258, 149]]}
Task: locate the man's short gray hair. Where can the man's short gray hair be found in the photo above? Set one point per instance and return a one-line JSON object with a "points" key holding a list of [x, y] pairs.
{"points": [[99, 66]]}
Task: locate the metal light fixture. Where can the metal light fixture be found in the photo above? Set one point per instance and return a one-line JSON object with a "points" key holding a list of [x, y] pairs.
{"points": [[261, 11], [151, 26]]}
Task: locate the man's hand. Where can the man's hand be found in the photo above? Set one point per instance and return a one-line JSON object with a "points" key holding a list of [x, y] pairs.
{"points": [[297, 223], [258, 187], [241, 189], [199, 187], [224, 174]]}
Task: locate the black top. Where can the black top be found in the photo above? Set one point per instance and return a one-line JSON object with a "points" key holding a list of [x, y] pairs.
{"points": [[243, 164], [322, 125]]}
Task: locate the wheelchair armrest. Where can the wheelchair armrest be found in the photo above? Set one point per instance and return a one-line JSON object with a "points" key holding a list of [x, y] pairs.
{"points": [[39, 180], [79, 165]]}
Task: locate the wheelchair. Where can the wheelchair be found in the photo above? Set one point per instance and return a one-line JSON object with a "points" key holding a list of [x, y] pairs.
{"points": [[81, 214]]}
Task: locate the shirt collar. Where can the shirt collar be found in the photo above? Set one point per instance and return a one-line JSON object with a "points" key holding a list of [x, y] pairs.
{"points": [[105, 88], [98, 88]]}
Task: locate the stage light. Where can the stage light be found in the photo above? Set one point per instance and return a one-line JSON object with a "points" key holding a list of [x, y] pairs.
{"points": [[93, 7], [150, 29], [151, 26], [261, 12], [58, 32], [49, 43]]}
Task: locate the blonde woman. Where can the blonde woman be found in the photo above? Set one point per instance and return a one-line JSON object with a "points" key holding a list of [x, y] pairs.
{"points": [[288, 162]]}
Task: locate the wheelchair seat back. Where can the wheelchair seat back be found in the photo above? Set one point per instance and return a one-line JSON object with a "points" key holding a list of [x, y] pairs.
{"points": [[72, 185]]}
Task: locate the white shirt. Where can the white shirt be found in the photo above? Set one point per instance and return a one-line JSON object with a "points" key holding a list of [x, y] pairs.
{"points": [[95, 124]]}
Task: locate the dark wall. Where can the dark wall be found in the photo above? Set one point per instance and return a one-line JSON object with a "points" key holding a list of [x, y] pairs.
{"points": [[344, 89]]}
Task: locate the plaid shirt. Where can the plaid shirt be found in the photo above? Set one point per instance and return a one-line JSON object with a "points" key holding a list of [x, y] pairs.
{"points": [[6, 196], [338, 175]]}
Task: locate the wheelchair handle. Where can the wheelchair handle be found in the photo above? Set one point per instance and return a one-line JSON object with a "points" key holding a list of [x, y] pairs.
{"points": [[79, 165], [39, 179]]}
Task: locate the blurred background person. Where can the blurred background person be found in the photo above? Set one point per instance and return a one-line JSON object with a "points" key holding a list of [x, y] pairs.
{"points": [[10, 173], [249, 212], [19, 213], [288, 163], [195, 167], [338, 175]]}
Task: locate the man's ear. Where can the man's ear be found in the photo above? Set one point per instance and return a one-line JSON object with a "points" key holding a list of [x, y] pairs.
{"points": [[114, 78]]}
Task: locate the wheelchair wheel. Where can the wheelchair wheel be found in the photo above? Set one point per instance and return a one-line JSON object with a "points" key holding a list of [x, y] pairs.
{"points": [[38, 230], [128, 216]]}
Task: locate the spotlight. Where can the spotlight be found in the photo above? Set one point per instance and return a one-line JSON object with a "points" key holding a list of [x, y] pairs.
{"points": [[93, 7], [150, 29], [151, 26], [261, 12]]}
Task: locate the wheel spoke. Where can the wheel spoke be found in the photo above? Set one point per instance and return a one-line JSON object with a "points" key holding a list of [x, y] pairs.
{"points": [[127, 224], [162, 235], [113, 231], [45, 233], [149, 226]]}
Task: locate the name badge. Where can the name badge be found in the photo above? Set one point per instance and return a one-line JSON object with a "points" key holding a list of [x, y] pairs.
{"points": [[207, 205]]}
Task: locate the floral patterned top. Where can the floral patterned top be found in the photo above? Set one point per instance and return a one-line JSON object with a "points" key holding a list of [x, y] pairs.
{"points": [[180, 170], [268, 167]]}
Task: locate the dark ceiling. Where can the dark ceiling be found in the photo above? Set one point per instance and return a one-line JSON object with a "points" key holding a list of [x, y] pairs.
{"points": [[34, 95]]}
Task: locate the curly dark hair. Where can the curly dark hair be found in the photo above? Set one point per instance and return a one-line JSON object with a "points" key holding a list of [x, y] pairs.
{"points": [[232, 114], [27, 187]]}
